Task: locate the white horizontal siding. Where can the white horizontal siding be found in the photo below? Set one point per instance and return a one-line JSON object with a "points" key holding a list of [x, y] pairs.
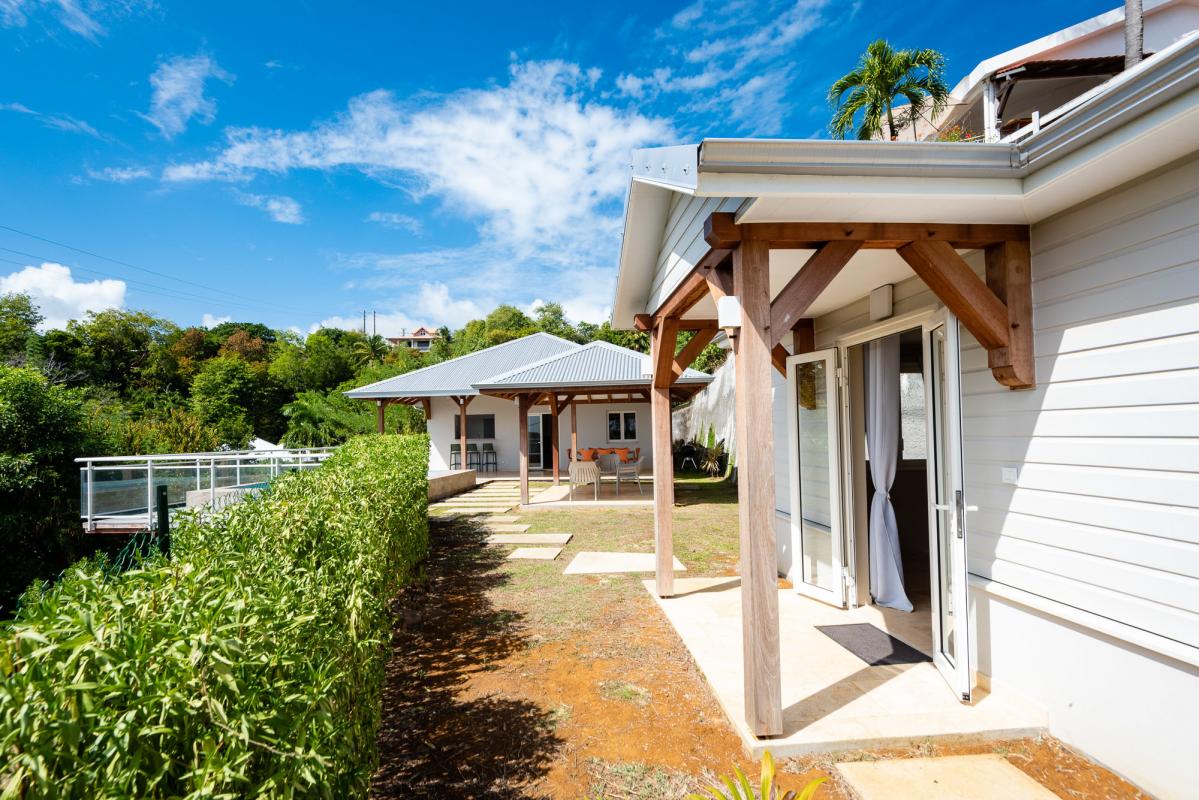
{"points": [[683, 241], [1105, 516]]}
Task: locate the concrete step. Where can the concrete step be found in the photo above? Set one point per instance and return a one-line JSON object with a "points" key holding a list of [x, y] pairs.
{"points": [[529, 538], [535, 553]]}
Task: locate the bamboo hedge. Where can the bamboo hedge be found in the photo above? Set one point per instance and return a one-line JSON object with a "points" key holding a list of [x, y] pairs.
{"points": [[249, 664]]}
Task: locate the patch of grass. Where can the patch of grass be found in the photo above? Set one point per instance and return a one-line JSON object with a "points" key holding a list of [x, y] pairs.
{"points": [[557, 716], [631, 780], [625, 692]]}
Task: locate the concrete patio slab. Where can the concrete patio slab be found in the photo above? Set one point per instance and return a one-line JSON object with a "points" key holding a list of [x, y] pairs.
{"points": [[832, 700], [979, 777], [535, 553], [506, 527], [590, 563], [468, 511], [529, 538]]}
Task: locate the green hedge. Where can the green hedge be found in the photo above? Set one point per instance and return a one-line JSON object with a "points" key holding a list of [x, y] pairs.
{"points": [[250, 664]]}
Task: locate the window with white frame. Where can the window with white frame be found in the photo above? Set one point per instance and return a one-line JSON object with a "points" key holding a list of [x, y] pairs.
{"points": [[622, 426]]}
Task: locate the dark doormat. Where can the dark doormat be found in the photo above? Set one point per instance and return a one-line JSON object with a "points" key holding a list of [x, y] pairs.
{"points": [[877, 648]]}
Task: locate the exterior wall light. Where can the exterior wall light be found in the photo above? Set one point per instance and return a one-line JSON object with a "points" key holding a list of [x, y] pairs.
{"points": [[728, 312]]}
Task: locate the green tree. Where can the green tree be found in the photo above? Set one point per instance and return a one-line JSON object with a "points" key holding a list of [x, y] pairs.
{"points": [[328, 359], [41, 431], [550, 318], [370, 350], [883, 73], [224, 396], [506, 323], [116, 346], [19, 319]]}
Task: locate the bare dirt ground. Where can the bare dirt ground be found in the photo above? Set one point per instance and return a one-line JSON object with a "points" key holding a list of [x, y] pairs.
{"points": [[511, 680]]}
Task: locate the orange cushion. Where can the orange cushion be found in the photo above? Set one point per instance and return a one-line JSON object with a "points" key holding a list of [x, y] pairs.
{"points": [[623, 452], [587, 454]]}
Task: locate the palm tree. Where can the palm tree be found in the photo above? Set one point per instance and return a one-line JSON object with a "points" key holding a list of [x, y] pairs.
{"points": [[884, 73], [370, 350], [1134, 33]]}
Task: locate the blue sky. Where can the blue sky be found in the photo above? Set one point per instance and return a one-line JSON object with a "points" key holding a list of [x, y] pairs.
{"points": [[298, 163]]}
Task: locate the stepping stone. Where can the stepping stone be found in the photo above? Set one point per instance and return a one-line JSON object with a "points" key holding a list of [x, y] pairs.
{"points": [[501, 527], [591, 563], [472, 510], [981, 777], [535, 553], [528, 538], [503, 518]]}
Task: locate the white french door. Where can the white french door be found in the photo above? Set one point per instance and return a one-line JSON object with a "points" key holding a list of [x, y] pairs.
{"points": [[947, 508], [817, 533]]}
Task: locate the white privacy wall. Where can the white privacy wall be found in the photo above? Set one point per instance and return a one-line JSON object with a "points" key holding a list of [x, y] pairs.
{"points": [[592, 429]]}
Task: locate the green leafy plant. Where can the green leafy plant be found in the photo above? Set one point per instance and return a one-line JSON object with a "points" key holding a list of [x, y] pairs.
{"points": [[712, 461], [250, 664], [738, 787]]}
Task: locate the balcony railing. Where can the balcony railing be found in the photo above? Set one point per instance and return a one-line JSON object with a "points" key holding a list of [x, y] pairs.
{"points": [[117, 492]]}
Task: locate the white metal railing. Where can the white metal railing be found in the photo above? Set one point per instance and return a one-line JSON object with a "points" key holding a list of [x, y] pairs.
{"points": [[118, 491]]}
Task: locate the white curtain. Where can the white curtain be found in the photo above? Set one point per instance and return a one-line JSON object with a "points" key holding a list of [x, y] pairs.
{"points": [[882, 441]]}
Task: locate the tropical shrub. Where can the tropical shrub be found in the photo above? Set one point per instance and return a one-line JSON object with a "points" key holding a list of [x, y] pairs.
{"points": [[739, 788], [41, 430], [248, 664]]}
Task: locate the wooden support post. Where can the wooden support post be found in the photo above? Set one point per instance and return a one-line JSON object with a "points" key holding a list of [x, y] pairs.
{"points": [[463, 402], [805, 335], [553, 434], [1009, 277], [755, 490], [662, 341], [382, 411], [522, 408], [428, 405]]}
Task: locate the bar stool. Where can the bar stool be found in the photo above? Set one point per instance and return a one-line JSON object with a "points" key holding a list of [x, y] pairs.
{"points": [[455, 456], [472, 455], [490, 457]]}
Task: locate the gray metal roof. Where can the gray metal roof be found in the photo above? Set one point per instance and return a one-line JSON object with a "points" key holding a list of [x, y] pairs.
{"points": [[592, 364], [458, 376]]}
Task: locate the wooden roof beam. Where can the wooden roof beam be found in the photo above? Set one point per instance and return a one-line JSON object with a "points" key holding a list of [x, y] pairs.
{"points": [[884, 235]]}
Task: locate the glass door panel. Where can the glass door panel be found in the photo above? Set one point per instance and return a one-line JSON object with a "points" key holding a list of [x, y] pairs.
{"points": [[816, 531], [947, 523], [534, 441]]}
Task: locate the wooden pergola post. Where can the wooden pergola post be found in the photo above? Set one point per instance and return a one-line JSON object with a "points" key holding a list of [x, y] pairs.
{"points": [[381, 405], [755, 489], [463, 402], [523, 402], [662, 344]]}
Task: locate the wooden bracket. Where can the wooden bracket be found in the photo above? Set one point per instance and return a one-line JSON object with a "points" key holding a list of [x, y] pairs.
{"points": [[1009, 277], [690, 351], [807, 284]]}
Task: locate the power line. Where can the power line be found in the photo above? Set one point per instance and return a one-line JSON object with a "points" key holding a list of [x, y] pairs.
{"points": [[175, 294], [168, 276]]}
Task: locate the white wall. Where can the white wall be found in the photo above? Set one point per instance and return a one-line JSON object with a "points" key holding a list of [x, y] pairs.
{"points": [[592, 429], [1105, 516], [683, 241]]}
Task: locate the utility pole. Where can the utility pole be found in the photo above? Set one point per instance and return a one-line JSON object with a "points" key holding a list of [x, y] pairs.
{"points": [[1134, 33], [364, 322], [374, 324]]}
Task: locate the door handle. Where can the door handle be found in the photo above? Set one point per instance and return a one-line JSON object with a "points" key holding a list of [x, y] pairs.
{"points": [[942, 507]]}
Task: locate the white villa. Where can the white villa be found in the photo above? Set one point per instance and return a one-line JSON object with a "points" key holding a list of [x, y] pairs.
{"points": [[967, 384], [531, 402]]}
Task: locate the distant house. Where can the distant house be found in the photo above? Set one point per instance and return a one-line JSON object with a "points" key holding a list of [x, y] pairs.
{"points": [[492, 399], [421, 338]]}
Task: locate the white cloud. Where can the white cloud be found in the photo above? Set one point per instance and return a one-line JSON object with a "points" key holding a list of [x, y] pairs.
{"points": [[59, 296], [540, 163], [178, 94], [431, 305], [119, 174], [82, 18], [60, 122], [281, 208], [390, 219], [735, 58], [211, 321]]}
